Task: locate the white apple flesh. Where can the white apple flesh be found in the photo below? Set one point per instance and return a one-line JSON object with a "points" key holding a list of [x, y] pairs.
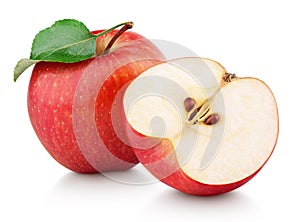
{"points": [[201, 130]]}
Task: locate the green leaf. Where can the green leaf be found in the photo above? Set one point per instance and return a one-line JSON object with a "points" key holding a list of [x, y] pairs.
{"points": [[21, 66], [66, 40]]}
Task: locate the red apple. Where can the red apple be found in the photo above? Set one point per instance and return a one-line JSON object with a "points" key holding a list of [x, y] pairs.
{"points": [[198, 128], [70, 104]]}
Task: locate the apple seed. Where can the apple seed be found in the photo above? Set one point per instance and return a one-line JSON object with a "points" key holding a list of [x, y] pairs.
{"points": [[189, 104], [212, 119]]}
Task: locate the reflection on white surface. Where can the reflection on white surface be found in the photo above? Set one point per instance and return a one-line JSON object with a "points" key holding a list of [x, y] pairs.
{"points": [[233, 206], [95, 193]]}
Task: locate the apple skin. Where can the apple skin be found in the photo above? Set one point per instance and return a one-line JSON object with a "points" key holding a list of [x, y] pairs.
{"points": [[161, 161], [51, 96]]}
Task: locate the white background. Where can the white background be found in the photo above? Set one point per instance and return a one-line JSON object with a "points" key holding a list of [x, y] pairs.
{"points": [[254, 38]]}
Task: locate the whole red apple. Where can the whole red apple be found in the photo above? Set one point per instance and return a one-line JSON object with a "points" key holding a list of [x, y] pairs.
{"points": [[69, 104]]}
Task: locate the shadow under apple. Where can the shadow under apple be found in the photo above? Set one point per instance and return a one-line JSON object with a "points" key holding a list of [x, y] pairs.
{"points": [[233, 206], [73, 188]]}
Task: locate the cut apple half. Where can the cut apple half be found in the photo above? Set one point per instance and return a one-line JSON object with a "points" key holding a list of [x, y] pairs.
{"points": [[211, 131]]}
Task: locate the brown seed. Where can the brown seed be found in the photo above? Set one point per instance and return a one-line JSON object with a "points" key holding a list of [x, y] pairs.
{"points": [[212, 119], [189, 104]]}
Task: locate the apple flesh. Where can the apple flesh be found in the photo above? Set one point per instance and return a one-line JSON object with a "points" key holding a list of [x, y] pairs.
{"points": [[199, 129], [69, 105]]}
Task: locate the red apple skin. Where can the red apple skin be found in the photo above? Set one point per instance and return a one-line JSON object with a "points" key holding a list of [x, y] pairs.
{"points": [[51, 104], [160, 160]]}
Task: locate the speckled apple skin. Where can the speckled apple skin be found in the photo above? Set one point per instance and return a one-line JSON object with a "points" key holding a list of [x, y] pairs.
{"points": [[51, 104]]}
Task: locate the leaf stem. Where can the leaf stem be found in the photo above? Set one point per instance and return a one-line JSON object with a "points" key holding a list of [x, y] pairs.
{"points": [[127, 25]]}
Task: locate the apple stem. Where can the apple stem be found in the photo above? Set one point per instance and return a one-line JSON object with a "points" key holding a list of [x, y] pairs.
{"points": [[127, 25], [228, 77]]}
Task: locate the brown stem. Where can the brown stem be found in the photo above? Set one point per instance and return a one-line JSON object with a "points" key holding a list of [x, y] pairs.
{"points": [[229, 77], [128, 25]]}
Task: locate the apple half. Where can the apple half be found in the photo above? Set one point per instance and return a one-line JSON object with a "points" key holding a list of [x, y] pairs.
{"points": [[198, 128]]}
